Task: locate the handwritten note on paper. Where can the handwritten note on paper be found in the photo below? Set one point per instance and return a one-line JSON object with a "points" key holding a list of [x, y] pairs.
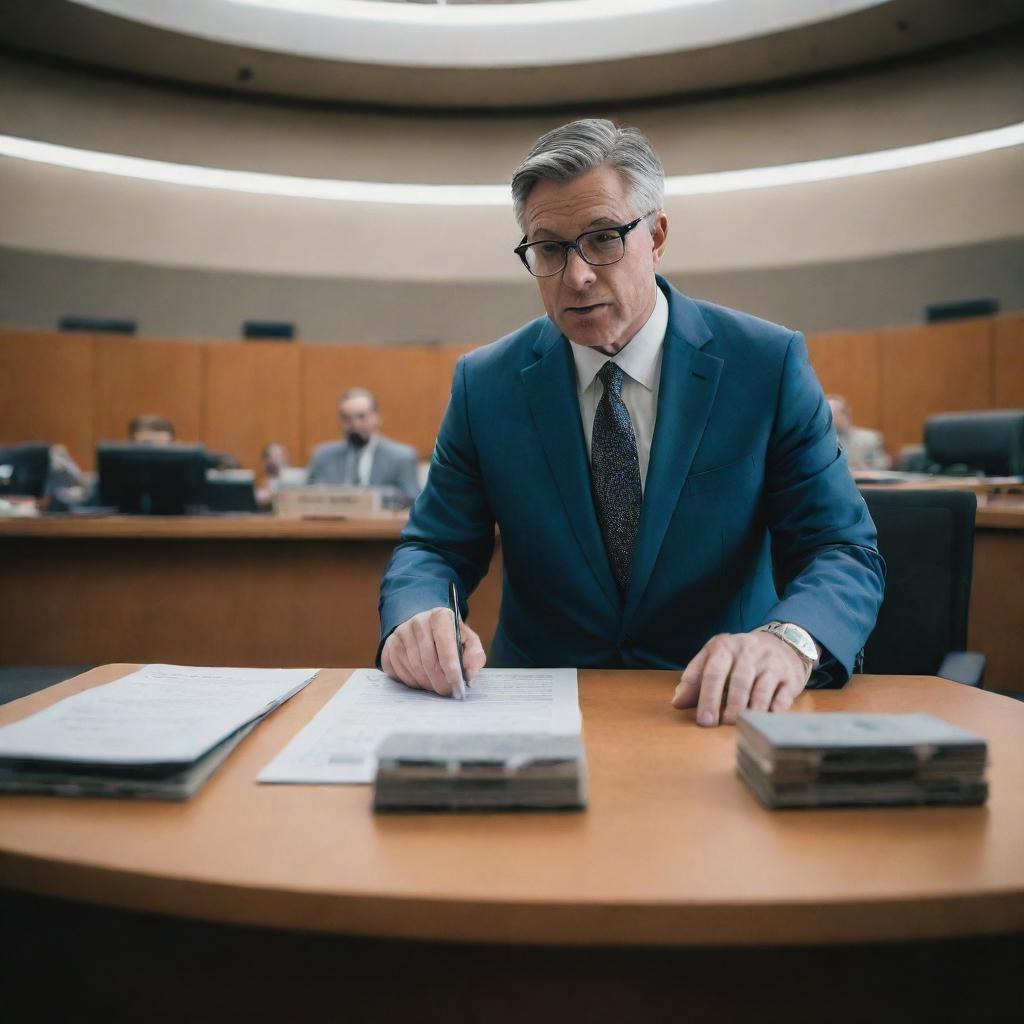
{"points": [[340, 744]]}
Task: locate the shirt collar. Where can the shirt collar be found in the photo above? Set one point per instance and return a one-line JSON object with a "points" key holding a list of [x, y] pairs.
{"points": [[638, 357]]}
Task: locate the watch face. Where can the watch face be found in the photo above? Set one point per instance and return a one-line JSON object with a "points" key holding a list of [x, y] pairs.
{"points": [[800, 640]]}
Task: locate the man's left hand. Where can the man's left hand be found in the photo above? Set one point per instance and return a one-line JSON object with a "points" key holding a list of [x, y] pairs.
{"points": [[733, 671]]}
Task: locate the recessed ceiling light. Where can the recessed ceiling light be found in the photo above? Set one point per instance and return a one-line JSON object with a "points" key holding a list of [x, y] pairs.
{"points": [[259, 183]]}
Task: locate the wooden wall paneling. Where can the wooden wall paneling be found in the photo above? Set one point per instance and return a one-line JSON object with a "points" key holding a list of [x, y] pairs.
{"points": [[251, 395], [1008, 362], [849, 364], [405, 379], [134, 376], [46, 390], [931, 369]]}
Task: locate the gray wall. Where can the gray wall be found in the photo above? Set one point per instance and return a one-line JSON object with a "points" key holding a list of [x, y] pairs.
{"points": [[36, 289]]}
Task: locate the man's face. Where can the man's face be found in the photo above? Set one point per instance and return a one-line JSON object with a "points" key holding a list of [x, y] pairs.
{"points": [[598, 307], [147, 435], [358, 416]]}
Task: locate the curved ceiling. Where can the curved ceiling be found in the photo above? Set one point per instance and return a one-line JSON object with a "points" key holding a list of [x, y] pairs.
{"points": [[545, 34], [546, 54]]}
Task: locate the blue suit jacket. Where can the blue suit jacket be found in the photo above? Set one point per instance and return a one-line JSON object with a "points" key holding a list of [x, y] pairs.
{"points": [[744, 458]]}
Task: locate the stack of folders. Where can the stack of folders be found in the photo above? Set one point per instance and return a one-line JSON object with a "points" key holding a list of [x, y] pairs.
{"points": [[158, 733], [818, 760], [422, 772]]}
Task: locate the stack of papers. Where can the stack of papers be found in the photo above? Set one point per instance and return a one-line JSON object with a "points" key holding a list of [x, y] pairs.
{"points": [[817, 760], [496, 772], [160, 732], [340, 744]]}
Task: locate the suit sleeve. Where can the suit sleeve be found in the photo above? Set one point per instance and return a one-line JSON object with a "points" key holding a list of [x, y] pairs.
{"points": [[450, 533], [316, 464], [823, 537]]}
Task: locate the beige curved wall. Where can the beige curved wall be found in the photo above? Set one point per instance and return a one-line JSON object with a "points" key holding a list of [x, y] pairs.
{"points": [[963, 219]]}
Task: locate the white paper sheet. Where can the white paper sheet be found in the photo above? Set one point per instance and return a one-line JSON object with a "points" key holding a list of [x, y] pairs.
{"points": [[339, 745], [159, 714]]}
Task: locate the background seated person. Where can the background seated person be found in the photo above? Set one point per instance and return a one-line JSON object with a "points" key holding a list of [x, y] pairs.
{"points": [[365, 458], [65, 484], [277, 472], [151, 429], [157, 430], [865, 449]]}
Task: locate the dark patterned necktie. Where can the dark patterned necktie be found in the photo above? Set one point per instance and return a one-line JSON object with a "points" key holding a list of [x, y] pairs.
{"points": [[615, 474]]}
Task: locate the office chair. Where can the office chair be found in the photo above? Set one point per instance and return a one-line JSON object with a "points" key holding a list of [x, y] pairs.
{"points": [[989, 442], [927, 540]]}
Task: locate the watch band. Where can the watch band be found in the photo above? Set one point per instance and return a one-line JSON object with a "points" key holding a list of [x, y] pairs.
{"points": [[798, 638]]}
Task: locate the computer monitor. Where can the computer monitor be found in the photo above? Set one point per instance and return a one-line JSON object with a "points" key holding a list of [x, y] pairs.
{"points": [[230, 490], [153, 480], [23, 469]]}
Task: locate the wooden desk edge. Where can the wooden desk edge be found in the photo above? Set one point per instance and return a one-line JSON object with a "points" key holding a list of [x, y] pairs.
{"points": [[253, 527], [594, 925]]}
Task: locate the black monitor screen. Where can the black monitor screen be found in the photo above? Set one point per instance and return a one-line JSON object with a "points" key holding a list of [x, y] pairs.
{"points": [[23, 468], [151, 480]]}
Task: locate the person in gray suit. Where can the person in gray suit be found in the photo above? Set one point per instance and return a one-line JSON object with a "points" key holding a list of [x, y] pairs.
{"points": [[365, 458], [864, 449]]}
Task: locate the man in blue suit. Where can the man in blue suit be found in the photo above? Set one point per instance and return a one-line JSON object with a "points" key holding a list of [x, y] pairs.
{"points": [[645, 457]]}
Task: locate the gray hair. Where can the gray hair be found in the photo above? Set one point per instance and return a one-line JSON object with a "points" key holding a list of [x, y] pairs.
{"points": [[580, 146]]}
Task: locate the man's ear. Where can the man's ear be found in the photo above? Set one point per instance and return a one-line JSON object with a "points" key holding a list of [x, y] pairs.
{"points": [[659, 235]]}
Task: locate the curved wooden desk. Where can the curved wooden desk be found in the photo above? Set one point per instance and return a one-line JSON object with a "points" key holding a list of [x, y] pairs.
{"points": [[211, 590], [263, 591], [673, 850]]}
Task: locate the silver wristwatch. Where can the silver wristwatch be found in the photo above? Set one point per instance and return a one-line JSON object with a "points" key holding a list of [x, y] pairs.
{"points": [[798, 638]]}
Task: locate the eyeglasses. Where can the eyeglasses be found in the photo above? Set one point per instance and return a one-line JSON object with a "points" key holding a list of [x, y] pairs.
{"points": [[599, 248]]}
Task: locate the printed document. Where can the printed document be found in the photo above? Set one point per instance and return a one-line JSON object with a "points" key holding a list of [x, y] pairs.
{"points": [[340, 744], [161, 714]]}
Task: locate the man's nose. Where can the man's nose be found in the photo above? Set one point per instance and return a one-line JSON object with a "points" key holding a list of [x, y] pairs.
{"points": [[578, 273]]}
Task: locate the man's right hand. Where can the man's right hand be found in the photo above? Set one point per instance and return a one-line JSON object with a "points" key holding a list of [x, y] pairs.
{"points": [[421, 652]]}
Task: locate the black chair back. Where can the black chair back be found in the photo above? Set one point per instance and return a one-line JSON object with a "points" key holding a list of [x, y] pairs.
{"points": [[927, 540], [989, 442]]}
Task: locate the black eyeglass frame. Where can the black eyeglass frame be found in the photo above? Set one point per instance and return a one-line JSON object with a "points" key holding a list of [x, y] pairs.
{"points": [[621, 229]]}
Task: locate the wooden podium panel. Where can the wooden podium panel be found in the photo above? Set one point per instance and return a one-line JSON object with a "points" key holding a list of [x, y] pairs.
{"points": [[203, 591], [46, 391], [134, 377], [933, 369], [849, 364], [251, 396], [1008, 362]]}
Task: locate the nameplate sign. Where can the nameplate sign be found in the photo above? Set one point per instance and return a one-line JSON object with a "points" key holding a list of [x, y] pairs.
{"points": [[324, 502]]}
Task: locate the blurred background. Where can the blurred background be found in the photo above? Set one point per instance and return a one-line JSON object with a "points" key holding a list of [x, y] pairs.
{"points": [[320, 95], [226, 213]]}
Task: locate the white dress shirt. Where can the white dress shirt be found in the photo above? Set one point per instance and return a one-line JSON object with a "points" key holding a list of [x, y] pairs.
{"points": [[640, 360], [364, 465]]}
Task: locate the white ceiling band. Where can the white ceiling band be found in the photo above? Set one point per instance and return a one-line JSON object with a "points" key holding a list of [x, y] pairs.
{"points": [[479, 36], [395, 193]]}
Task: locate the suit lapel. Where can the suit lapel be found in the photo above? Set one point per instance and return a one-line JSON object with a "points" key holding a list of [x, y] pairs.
{"points": [[550, 386], [686, 394]]}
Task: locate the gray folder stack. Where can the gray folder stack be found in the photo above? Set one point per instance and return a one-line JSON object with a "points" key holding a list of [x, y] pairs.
{"points": [[818, 760], [480, 772]]}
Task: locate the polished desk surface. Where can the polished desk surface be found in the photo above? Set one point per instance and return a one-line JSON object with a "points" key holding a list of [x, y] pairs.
{"points": [[673, 850], [257, 527], [995, 511]]}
